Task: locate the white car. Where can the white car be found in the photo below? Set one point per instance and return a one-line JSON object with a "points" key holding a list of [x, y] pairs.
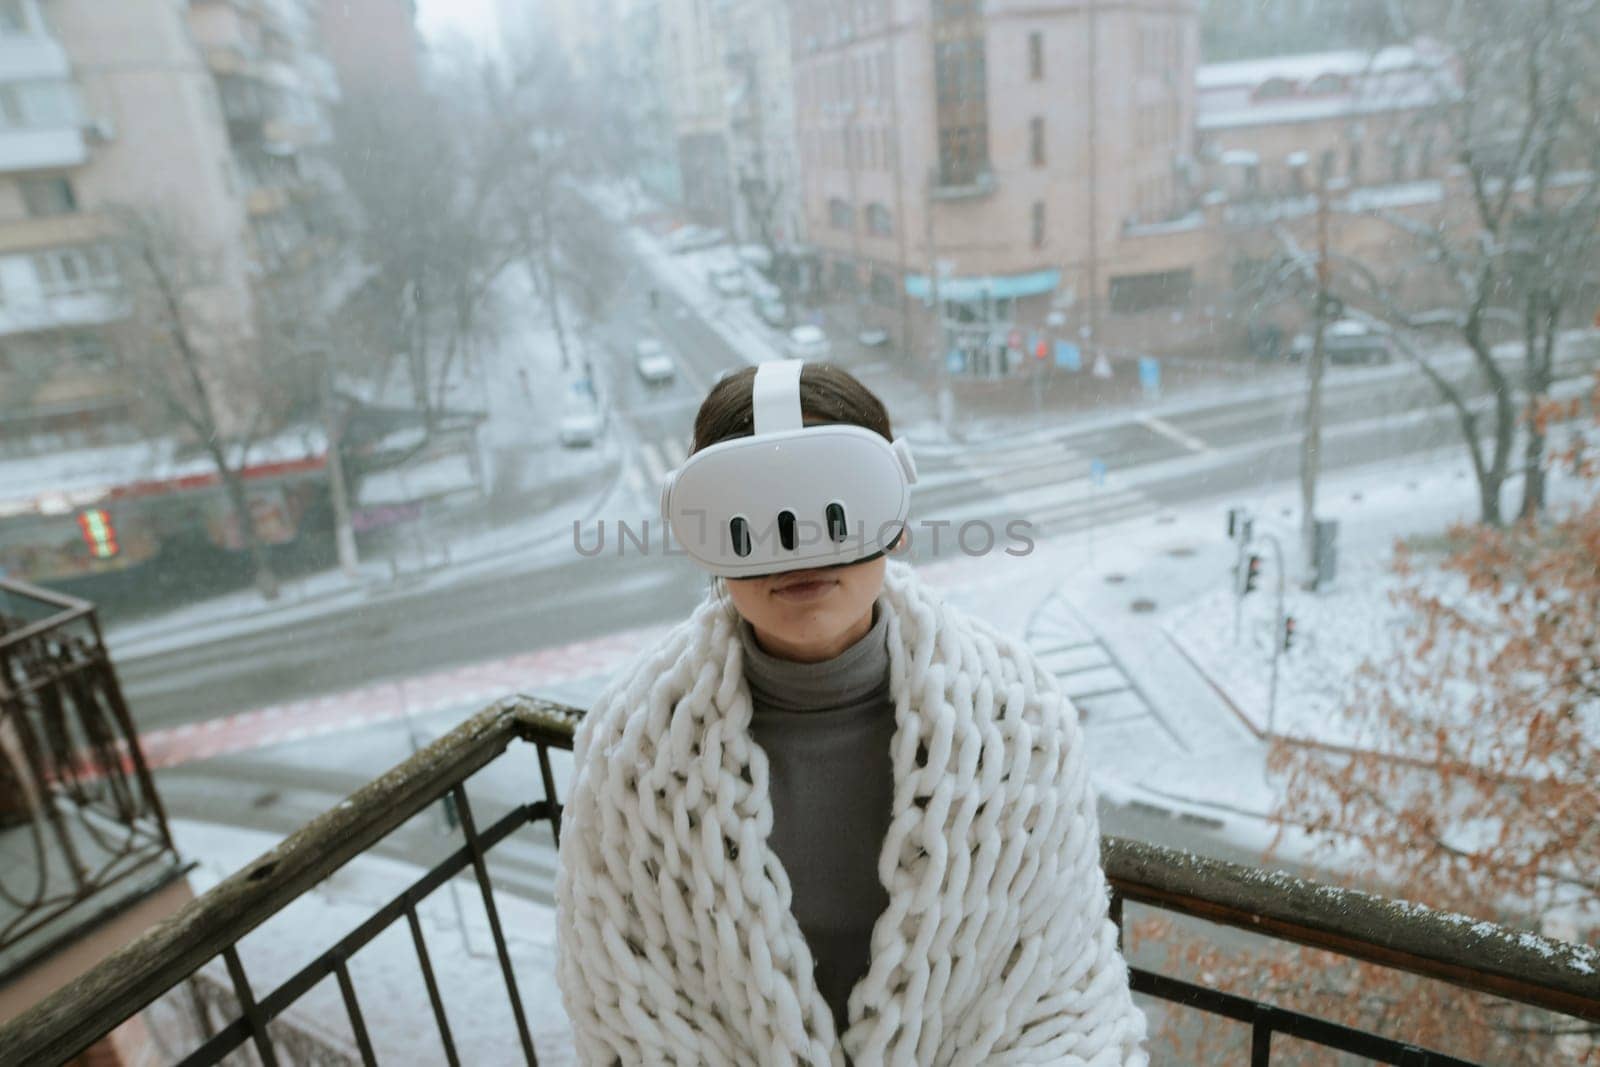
{"points": [[653, 363], [873, 338], [729, 281], [807, 342], [582, 423]]}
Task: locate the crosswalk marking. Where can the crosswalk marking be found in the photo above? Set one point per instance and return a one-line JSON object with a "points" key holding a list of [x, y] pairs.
{"points": [[1172, 433]]}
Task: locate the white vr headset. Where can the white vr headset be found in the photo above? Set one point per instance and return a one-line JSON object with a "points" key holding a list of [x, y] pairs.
{"points": [[791, 496]]}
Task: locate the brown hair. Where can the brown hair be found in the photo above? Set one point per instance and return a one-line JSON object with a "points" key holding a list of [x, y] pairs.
{"points": [[828, 393]]}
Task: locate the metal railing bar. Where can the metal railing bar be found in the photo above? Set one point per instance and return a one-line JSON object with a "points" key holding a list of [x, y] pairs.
{"points": [[1282, 1020], [1261, 1039], [550, 791], [301, 982], [255, 1021], [72, 609], [482, 870], [1452, 948], [352, 1008], [86, 1009], [433, 986]]}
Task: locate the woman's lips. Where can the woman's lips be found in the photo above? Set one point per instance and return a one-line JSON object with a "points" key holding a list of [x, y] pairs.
{"points": [[807, 590]]}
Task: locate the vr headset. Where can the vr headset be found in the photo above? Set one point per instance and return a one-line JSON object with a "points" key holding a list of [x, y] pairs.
{"points": [[791, 496]]}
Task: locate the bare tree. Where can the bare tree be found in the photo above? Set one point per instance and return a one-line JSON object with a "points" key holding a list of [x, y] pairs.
{"points": [[190, 348], [1514, 100]]}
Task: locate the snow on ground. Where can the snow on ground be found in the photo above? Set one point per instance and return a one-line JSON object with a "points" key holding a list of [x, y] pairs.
{"points": [[387, 978], [1352, 622]]}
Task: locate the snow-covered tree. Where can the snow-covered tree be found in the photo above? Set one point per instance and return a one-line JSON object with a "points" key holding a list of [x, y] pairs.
{"points": [[1513, 252]]}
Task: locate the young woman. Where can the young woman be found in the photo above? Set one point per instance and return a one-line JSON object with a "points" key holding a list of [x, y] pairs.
{"points": [[830, 819]]}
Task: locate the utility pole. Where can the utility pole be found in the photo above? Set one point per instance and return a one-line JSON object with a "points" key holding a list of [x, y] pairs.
{"points": [[1311, 451], [343, 533], [1094, 179]]}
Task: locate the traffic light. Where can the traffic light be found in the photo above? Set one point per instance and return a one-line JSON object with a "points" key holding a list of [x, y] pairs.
{"points": [[1288, 632], [1252, 573], [98, 533]]}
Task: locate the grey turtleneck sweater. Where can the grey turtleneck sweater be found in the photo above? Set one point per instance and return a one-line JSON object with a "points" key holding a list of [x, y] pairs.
{"points": [[826, 729]]}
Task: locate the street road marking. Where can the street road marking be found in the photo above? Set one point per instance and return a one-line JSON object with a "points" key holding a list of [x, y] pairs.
{"points": [[635, 479], [675, 451], [1171, 432]]}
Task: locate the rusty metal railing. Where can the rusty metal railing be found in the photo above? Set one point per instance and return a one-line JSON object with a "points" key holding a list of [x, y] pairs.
{"points": [[74, 787], [1479, 956]]}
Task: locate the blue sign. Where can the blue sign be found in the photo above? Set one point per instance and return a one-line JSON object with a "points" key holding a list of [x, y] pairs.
{"points": [[1150, 375], [956, 361], [1068, 356], [1097, 471]]}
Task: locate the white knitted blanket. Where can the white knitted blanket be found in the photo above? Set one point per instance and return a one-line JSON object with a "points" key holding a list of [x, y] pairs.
{"points": [[675, 939]]}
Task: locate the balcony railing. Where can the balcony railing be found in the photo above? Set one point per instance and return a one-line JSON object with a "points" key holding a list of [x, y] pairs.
{"points": [[81, 826], [1519, 966]]}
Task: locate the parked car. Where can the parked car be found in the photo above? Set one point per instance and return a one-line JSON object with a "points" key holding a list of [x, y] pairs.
{"points": [[650, 359], [729, 281], [773, 312], [808, 342], [582, 421], [1345, 341], [873, 338], [690, 238]]}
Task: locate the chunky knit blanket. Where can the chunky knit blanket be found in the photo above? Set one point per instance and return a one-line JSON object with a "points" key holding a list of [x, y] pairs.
{"points": [[675, 939]]}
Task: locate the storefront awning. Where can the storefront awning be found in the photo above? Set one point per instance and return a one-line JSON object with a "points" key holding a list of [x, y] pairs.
{"points": [[994, 286]]}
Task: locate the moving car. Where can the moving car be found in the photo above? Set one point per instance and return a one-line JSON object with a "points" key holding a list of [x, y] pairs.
{"points": [[807, 342], [690, 238], [773, 313], [1345, 341], [729, 281], [652, 362], [582, 420]]}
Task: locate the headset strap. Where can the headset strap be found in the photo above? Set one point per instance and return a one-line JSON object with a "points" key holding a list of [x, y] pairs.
{"points": [[775, 396]]}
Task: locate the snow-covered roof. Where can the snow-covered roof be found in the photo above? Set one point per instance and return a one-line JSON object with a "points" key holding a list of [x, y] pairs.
{"points": [[1391, 79], [1306, 66]]}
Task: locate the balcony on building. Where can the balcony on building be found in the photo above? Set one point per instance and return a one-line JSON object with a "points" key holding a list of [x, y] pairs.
{"points": [[86, 859], [377, 987]]}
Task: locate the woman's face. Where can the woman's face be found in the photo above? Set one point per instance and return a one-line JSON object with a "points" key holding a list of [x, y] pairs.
{"points": [[810, 615]]}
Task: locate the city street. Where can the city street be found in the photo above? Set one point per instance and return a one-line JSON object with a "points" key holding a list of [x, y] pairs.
{"points": [[1151, 462]]}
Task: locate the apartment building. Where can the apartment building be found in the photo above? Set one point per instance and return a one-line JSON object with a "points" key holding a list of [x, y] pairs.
{"points": [[994, 151], [210, 116]]}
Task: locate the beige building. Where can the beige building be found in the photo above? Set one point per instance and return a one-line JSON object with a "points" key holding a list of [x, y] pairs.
{"points": [[208, 116], [1001, 147]]}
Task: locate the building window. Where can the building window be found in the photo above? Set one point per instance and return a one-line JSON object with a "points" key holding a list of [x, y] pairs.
{"points": [[845, 279], [1036, 140], [1038, 224], [840, 215], [37, 105], [1036, 55], [1328, 165], [74, 271], [42, 197], [1133, 293], [882, 288], [13, 19], [878, 220]]}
